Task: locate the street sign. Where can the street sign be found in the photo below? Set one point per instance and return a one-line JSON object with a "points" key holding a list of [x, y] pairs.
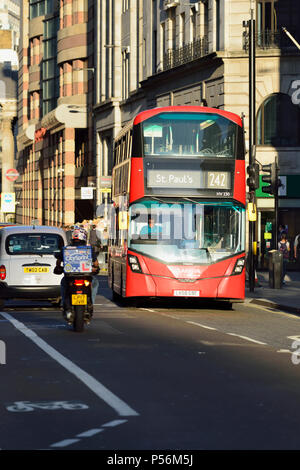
{"points": [[8, 202], [105, 190], [105, 181], [12, 174], [87, 192]]}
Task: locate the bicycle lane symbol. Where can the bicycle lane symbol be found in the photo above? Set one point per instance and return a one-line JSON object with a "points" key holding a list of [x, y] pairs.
{"points": [[25, 406]]}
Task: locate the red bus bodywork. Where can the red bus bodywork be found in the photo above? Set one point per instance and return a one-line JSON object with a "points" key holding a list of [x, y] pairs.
{"points": [[160, 279]]}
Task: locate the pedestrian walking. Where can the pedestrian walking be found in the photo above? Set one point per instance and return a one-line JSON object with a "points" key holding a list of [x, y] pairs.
{"points": [[297, 248], [68, 230], [281, 228], [284, 248], [93, 239]]}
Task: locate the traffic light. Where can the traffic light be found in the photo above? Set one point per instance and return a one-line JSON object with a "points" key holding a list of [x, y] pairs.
{"points": [[271, 178], [253, 180]]}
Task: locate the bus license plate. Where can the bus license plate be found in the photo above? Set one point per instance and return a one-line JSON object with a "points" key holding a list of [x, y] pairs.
{"points": [[186, 293], [79, 299], [35, 269]]}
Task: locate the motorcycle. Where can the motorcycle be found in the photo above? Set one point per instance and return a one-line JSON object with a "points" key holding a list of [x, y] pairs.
{"points": [[79, 290], [77, 283]]}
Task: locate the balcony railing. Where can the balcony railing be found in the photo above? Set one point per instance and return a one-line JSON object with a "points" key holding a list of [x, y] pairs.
{"points": [[187, 53], [269, 40], [272, 39]]}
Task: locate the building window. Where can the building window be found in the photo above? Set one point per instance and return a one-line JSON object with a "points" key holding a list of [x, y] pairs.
{"points": [[163, 42], [49, 6], [182, 30], [50, 69], [266, 16], [278, 122], [218, 25], [37, 8], [173, 30], [206, 18], [126, 5], [154, 37], [193, 25]]}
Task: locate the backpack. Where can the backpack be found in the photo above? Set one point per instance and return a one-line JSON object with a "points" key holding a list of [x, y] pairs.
{"points": [[283, 249]]}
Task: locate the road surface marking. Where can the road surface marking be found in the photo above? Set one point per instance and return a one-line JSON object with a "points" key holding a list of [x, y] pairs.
{"points": [[25, 406], [202, 326], [215, 329], [294, 338], [285, 351], [65, 443], [247, 339], [100, 390], [89, 433], [110, 305], [114, 423]]}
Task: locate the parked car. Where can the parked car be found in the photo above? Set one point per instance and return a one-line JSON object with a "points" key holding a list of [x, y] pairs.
{"points": [[27, 261]]}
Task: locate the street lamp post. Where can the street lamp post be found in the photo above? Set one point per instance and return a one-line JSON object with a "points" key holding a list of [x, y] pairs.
{"points": [[249, 37]]}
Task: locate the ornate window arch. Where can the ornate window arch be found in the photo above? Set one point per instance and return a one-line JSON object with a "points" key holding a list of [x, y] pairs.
{"points": [[278, 122]]}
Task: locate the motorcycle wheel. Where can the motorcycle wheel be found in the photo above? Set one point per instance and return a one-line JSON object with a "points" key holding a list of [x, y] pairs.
{"points": [[78, 324]]}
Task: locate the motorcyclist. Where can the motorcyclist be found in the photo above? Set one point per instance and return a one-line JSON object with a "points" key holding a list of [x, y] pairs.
{"points": [[78, 238]]}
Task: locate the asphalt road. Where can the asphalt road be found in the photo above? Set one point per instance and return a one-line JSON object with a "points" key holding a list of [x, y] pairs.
{"points": [[160, 376]]}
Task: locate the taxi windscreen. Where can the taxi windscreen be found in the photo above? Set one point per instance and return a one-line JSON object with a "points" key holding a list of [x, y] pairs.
{"points": [[31, 244]]}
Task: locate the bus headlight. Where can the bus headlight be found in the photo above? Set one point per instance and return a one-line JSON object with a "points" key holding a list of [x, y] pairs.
{"points": [[239, 266], [134, 264]]}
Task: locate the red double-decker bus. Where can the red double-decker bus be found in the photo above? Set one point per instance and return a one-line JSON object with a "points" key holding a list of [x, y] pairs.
{"points": [[179, 194]]}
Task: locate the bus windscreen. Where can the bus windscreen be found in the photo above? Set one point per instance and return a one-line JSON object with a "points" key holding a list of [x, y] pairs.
{"points": [[190, 134], [196, 233]]}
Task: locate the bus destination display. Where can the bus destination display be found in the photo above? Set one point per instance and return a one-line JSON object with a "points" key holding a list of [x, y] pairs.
{"points": [[189, 179]]}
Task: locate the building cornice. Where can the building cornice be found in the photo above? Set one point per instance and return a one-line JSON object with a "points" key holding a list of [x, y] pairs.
{"points": [[70, 115]]}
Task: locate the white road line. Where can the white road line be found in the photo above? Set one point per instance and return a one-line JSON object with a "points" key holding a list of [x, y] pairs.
{"points": [[91, 432], [100, 390], [284, 351], [114, 423], [148, 310], [65, 443], [202, 326], [247, 339], [107, 305], [215, 329]]}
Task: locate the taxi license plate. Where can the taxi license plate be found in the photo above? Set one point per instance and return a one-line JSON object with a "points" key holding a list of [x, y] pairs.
{"points": [[186, 293], [79, 299], [36, 269]]}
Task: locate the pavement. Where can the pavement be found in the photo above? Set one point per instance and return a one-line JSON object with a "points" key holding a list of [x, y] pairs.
{"points": [[287, 298]]}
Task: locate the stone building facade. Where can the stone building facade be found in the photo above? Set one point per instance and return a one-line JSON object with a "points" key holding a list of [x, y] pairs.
{"points": [[155, 53], [9, 39], [118, 57], [55, 141], [10, 20]]}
